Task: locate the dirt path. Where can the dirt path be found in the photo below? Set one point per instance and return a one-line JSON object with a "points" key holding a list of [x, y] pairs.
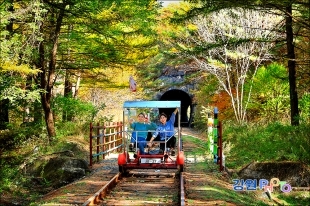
{"points": [[194, 133]]}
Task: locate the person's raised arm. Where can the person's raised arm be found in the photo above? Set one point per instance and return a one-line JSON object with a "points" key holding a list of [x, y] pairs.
{"points": [[175, 111]]}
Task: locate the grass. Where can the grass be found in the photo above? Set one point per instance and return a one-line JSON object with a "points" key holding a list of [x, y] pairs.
{"points": [[294, 198], [211, 188], [201, 147], [220, 193], [245, 144], [273, 142]]}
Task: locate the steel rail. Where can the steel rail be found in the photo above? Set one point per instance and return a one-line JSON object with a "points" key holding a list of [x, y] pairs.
{"points": [[99, 195], [93, 200], [182, 192]]}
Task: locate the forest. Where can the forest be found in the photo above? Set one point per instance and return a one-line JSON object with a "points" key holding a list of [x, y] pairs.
{"points": [[66, 63]]}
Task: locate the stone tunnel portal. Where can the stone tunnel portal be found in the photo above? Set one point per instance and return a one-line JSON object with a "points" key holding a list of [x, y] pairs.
{"points": [[187, 109]]}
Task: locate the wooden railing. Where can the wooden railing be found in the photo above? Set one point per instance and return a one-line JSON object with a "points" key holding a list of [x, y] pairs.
{"points": [[105, 139]]}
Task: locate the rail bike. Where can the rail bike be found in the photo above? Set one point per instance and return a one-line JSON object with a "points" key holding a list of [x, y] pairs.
{"points": [[157, 156]]}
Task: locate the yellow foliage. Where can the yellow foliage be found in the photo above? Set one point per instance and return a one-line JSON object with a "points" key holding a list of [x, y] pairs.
{"points": [[216, 63], [108, 13], [192, 27], [232, 55], [239, 55], [108, 78], [173, 50], [21, 69]]}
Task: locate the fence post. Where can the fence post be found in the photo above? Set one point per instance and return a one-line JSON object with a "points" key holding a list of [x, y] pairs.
{"points": [[114, 134], [117, 134], [90, 144], [98, 141], [215, 135], [104, 138], [109, 137]]}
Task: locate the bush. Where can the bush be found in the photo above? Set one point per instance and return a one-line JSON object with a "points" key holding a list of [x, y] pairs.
{"points": [[273, 142], [270, 95], [69, 109], [304, 106]]}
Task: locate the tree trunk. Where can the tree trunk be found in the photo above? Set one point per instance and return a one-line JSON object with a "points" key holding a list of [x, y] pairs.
{"points": [[67, 115], [48, 76], [4, 113], [68, 85], [45, 97], [291, 67], [77, 85]]}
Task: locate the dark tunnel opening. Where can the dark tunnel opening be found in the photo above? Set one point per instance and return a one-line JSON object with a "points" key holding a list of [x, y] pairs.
{"points": [[186, 106]]}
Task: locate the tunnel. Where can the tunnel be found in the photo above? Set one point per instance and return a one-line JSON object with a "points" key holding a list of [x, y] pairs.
{"points": [[187, 109]]}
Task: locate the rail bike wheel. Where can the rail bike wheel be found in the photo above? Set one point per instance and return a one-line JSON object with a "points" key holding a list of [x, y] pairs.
{"points": [[122, 169], [180, 161], [181, 168], [121, 160]]}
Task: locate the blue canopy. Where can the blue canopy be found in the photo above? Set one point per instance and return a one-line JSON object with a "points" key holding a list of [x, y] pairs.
{"points": [[152, 104]]}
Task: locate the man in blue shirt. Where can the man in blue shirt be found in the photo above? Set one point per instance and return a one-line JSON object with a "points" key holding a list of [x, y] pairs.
{"points": [[165, 131]]}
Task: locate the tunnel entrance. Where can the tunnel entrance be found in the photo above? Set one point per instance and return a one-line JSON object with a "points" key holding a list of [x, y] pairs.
{"points": [[187, 109]]}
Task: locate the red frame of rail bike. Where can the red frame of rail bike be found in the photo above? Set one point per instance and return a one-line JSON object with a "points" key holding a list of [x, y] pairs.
{"points": [[166, 161]]}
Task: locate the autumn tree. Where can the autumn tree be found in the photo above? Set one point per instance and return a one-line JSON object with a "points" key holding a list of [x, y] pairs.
{"points": [[296, 14], [231, 45]]}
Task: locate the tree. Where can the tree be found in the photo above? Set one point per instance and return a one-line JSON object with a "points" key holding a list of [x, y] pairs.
{"points": [[151, 71], [4, 103], [14, 64], [297, 22], [231, 45], [270, 98], [103, 34]]}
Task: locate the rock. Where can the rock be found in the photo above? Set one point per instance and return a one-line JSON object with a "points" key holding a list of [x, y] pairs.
{"points": [[58, 170], [295, 173]]}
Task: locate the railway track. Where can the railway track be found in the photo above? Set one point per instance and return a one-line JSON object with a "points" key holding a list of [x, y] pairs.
{"points": [[79, 191], [108, 187], [142, 187]]}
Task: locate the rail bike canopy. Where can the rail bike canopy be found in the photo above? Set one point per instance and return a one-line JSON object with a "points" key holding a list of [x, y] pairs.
{"points": [[152, 104]]}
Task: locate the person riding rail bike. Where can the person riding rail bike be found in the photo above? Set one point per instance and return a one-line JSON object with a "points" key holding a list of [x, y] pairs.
{"points": [[164, 132], [140, 131]]}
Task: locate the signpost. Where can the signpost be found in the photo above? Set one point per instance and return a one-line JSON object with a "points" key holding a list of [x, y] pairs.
{"points": [[215, 138]]}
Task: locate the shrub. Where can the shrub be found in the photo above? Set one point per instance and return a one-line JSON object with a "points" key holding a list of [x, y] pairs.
{"points": [[272, 142]]}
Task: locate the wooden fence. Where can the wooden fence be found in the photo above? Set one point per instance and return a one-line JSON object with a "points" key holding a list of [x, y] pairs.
{"points": [[105, 139]]}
